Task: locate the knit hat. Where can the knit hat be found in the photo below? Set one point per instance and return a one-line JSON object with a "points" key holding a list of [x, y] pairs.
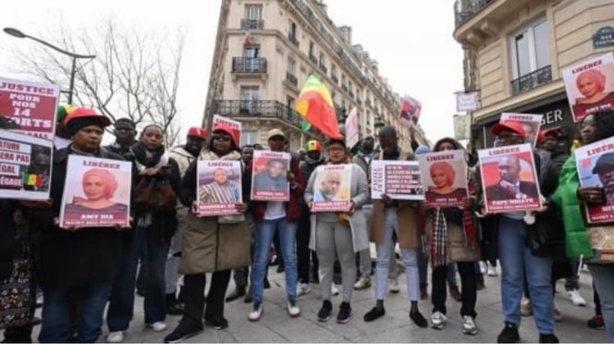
{"points": [[313, 145], [81, 118]]}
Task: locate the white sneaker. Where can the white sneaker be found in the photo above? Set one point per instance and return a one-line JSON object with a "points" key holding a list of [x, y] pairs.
{"points": [[469, 326], [293, 309], [438, 320], [393, 285], [115, 337], [492, 270], [334, 290], [302, 289], [363, 283], [576, 298], [256, 313], [158, 326], [483, 268]]}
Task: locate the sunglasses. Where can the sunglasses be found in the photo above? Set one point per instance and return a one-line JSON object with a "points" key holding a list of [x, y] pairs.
{"points": [[225, 138]]}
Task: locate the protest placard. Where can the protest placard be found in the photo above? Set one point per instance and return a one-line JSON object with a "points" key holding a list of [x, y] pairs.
{"points": [[352, 135], [444, 177], [28, 108], [270, 176], [531, 124], [96, 192], [590, 85], [332, 188], [219, 187], [595, 163], [509, 179], [25, 166], [410, 111], [234, 125], [397, 179]]}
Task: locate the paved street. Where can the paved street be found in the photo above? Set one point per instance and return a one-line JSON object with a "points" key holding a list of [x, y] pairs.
{"points": [[276, 326]]}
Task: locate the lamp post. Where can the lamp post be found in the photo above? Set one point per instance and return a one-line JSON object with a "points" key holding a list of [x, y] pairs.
{"points": [[16, 33]]}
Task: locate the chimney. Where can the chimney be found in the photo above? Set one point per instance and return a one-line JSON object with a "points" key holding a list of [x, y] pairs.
{"points": [[346, 34]]}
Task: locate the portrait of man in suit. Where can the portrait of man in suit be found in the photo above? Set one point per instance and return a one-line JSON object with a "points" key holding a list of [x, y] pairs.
{"points": [[510, 186]]}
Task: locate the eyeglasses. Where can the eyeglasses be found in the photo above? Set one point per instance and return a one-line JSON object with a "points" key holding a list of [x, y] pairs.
{"points": [[507, 136], [222, 138]]}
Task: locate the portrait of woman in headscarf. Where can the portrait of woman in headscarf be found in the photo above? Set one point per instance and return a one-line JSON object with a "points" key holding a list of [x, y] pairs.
{"points": [[592, 85], [99, 187], [442, 177]]}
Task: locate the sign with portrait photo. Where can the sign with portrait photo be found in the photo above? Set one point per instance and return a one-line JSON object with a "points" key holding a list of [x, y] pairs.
{"points": [[595, 164], [444, 177], [219, 187], [410, 111], [96, 193], [332, 188], [270, 176], [590, 86], [28, 108], [531, 124], [352, 135], [25, 166], [509, 179], [397, 179]]}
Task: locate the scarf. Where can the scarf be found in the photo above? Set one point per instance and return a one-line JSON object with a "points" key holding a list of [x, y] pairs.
{"points": [[440, 230], [145, 158], [211, 155]]}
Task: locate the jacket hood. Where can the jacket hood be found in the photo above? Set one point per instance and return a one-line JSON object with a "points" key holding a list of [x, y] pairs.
{"points": [[181, 151]]}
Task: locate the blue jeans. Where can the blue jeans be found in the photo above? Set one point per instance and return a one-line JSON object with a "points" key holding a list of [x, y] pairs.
{"points": [[56, 314], [603, 276], [516, 258], [265, 230], [121, 303]]}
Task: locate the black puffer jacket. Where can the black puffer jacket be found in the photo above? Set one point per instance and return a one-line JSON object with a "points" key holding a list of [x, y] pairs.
{"points": [[8, 245]]}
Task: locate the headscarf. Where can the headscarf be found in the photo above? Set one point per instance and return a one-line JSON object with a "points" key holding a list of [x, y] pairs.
{"points": [[108, 179], [446, 169], [595, 76]]}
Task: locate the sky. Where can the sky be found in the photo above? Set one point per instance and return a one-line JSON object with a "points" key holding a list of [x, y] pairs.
{"points": [[411, 40]]}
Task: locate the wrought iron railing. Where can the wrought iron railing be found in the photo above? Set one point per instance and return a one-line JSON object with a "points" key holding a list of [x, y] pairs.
{"points": [[466, 9], [291, 78], [249, 65], [252, 24], [344, 88], [533, 80], [334, 78], [257, 108], [313, 59], [293, 40], [323, 68]]}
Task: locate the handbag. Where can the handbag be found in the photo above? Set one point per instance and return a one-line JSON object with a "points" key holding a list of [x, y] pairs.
{"points": [[16, 296], [154, 194]]}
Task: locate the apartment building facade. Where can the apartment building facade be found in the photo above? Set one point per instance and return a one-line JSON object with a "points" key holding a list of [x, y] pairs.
{"points": [[515, 51], [266, 49]]}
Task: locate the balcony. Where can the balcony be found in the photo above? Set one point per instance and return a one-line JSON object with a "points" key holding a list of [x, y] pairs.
{"points": [[466, 9], [531, 81], [351, 94], [249, 65], [291, 78], [323, 68], [334, 78], [313, 59], [262, 109], [344, 88], [293, 40], [252, 24]]}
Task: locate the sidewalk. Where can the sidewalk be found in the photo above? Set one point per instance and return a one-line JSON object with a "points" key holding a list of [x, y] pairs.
{"points": [[395, 326]]}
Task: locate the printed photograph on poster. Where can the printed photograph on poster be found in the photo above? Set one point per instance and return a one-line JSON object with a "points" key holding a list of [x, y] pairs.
{"points": [[397, 179], [590, 86], [331, 188], [530, 123], [25, 166], [462, 127], [351, 129], [219, 187], [28, 108], [270, 176], [444, 177], [234, 125], [410, 111], [509, 179], [96, 192], [595, 164]]}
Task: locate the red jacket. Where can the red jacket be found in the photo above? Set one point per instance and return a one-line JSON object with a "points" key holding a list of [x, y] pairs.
{"points": [[293, 207]]}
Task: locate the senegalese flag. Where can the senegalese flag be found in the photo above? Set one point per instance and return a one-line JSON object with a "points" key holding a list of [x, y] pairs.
{"points": [[32, 179], [305, 126], [316, 106]]}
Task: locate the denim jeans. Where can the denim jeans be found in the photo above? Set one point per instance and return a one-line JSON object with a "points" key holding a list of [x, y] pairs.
{"points": [[603, 276], [121, 303], [265, 230], [56, 314], [515, 258]]}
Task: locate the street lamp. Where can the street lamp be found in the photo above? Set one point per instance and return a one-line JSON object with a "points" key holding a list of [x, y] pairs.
{"points": [[16, 33]]}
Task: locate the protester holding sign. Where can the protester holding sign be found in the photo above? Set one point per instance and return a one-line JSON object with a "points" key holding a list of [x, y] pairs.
{"points": [[591, 242], [452, 237], [395, 216], [75, 259], [213, 244], [516, 258], [338, 234]]}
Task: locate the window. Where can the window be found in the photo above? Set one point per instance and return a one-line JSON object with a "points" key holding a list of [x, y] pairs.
{"points": [[249, 137], [251, 51], [289, 107], [253, 12], [291, 29], [249, 98], [311, 49], [530, 49], [291, 66]]}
